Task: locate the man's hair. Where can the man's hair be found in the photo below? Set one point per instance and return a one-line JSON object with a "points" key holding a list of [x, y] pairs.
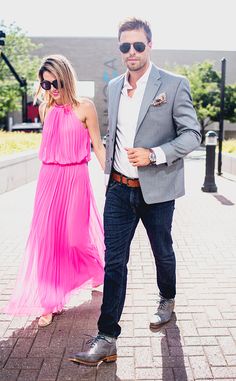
{"points": [[135, 24]]}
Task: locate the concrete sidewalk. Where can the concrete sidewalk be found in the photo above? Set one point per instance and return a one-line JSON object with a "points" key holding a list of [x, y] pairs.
{"points": [[199, 343]]}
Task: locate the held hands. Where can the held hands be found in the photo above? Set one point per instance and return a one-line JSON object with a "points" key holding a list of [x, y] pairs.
{"points": [[138, 157]]}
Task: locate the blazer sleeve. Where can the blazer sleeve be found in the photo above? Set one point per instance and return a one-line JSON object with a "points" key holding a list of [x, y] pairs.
{"points": [[188, 136]]}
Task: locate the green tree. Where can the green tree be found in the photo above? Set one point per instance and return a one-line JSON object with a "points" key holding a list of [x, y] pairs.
{"points": [[230, 103], [205, 88], [18, 49]]}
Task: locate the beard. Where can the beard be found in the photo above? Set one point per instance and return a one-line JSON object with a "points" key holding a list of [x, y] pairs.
{"points": [[136, 66]]}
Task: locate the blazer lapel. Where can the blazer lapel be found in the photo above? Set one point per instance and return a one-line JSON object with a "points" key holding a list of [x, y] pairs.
{"points": [[115, 100], [153, 84]]}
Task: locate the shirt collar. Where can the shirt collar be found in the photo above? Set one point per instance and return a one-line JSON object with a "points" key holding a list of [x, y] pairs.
{"points": [[141, 80]]}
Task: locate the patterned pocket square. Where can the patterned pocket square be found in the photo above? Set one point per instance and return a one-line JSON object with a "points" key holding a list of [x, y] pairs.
{"points": [[159, 100]]}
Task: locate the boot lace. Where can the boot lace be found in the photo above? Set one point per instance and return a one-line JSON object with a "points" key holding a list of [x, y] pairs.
{"points": [[163, 304], [94, 339]]}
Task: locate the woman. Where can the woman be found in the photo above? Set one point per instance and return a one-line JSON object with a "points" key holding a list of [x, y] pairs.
{"points": [[65, 247]]}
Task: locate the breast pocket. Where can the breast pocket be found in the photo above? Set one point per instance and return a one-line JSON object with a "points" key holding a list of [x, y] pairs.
{"points": [[163, 107]]}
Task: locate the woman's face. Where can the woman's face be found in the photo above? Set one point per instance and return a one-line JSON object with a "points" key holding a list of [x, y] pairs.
{"points": [[50, 85]]}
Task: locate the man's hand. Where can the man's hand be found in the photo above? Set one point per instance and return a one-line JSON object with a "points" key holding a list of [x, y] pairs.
{"points": [[138, 157]]}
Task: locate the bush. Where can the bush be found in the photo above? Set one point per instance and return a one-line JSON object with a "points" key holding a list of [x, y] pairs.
{"points": [[229, 146], [12, 142]]}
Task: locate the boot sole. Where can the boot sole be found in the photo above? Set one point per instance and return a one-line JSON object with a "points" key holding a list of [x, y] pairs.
{"points": [[112, 358]]}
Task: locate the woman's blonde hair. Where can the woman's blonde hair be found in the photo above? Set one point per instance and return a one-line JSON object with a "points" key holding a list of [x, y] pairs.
{"points": [[61, 68]]}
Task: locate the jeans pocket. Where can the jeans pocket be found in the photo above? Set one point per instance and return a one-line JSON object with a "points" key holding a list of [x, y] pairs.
{"points": [[113, 184]]}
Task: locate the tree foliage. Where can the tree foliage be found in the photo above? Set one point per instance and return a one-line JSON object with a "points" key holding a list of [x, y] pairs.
{"points": [[205, 84], [18, 49]]}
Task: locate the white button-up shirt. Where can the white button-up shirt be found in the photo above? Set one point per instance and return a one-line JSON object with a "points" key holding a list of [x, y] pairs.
{"points": [[128, 113]]}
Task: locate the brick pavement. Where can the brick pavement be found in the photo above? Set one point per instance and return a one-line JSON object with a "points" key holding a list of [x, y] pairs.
{"points": [[199, 343]]}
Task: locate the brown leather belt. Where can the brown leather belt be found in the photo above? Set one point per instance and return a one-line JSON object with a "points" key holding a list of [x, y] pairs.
{"points": [[133, 183]]}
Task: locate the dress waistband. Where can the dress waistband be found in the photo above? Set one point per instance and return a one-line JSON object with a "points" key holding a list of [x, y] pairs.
{"points": [[65, 164]]}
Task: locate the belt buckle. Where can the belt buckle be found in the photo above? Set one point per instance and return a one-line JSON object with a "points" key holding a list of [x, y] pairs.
{"points": [[128, 182]]}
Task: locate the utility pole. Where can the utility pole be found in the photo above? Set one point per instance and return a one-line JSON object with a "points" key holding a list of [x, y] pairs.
{"points": [[221, 121]]}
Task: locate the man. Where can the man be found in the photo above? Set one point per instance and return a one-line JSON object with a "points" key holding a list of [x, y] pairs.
{"points": [[152, 126]]}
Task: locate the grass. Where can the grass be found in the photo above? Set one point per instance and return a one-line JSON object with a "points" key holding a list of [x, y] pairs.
{"points": [[229, 146], [13, 142]]}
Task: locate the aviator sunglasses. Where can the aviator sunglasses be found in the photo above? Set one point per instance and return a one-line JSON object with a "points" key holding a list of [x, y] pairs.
{"points": [[46, 85], [138, 46]]}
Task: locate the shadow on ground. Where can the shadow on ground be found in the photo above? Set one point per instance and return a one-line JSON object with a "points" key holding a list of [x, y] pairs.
{"points": [[171, 360], [41, 354]]}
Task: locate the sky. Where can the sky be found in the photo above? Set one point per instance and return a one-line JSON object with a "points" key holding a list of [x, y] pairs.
{"points": [[175, 24]]}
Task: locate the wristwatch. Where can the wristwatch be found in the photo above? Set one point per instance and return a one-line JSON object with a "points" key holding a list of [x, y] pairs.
{"points": [[152, 157]]}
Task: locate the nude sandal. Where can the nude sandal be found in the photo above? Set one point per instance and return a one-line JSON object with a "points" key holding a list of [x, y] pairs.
{"points": [[45, 320]]}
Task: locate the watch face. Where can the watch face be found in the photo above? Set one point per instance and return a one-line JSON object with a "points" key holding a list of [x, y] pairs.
{"points": [[152, 157]]}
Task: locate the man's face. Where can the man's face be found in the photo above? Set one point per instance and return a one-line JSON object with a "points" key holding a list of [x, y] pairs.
{"points": [[135, 59]]}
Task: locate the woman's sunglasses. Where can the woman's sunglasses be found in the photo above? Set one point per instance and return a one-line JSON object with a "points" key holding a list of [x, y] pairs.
{"points": [[46, 85], [138, 46]]}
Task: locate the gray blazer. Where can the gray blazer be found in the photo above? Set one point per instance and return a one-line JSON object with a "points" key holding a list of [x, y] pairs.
{"points": [[171, 125]]}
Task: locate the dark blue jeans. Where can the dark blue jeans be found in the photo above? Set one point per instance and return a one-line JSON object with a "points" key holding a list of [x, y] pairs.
{"points": [[124, 207]]}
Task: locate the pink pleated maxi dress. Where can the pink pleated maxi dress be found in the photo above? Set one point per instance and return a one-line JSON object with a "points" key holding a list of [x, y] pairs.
{"points": [[65, 247]]}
